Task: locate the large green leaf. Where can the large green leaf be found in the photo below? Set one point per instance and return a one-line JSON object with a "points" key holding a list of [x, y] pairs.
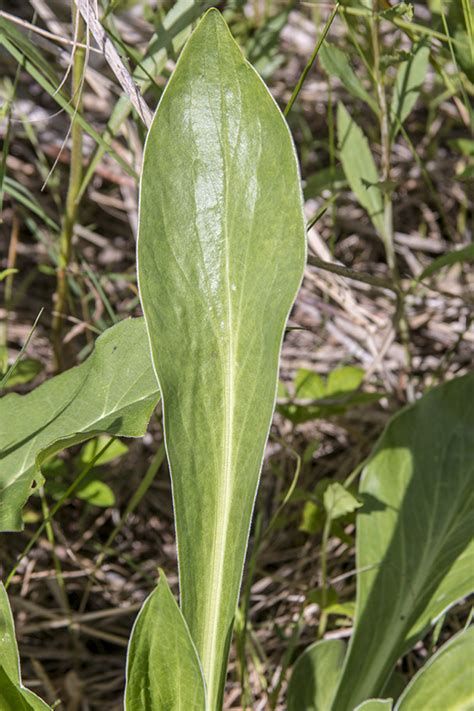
{"points": [[375, 705], [163, 669], [448, 678], [221, 251], [413, 534], [359, 167], [315, 676], [13, 695], [408, 83], [114, 391]]}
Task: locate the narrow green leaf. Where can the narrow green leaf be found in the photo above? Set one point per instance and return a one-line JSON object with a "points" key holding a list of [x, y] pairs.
{"points": [[221, 251], [375, 705], [359, 167], [163, 669], [315, 676], [114, 391], [338, 501], [465, 254], [13, 695], [413, 534], [336, 64], [447, 679], [408, 84]]}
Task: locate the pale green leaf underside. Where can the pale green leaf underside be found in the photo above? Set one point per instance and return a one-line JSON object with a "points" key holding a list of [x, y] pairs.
{"points": [[315, 676], [375, 705], [163, 669], [221, 251], [114, 391], [13, 696], [359, 167], [413, 534], [446, 681]]}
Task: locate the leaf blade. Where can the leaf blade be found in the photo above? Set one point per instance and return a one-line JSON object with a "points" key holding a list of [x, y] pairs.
{"points": [[113, 391], [416, 484], [163, 668], [217, 113]]}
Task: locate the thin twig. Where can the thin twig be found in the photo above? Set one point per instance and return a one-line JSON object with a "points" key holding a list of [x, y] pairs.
{"points": [[114, 61], [342, 271]]}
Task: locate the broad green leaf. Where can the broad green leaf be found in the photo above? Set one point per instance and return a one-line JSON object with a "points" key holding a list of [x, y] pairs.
{"points": [[113, 391], [408, 83], [447, 679], [221, 251], [465, 254], [413, 534], [315, 676], [359, 167], [335, 63], [375, 705], [163, 669], [13, 695], [338, 501]]}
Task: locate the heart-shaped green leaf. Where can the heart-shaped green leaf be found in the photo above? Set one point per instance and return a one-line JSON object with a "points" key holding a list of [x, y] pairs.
{"points": [[114, 391], [221, 251], [163, 669]]}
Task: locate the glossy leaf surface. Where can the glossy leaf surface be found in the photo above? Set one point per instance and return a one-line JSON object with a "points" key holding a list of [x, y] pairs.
{"points": [[13, 695], [413, 534], [163, 670], [446, 681], [114, 391], [315, 676], [221, 252]]}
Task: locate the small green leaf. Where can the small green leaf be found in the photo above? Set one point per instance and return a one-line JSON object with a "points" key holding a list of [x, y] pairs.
{"points": [[92, 448], [359, 167], [163, 668], [336, 64], [344, 380], [315, 676], [465, 254], [114, 390], [312, 518], [97, 493], [446, 677], [411, 75], [338, 501]]}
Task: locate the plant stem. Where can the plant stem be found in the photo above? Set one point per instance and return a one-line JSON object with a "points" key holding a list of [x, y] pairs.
{"points": [[342, 271], [388, 236], [323, 618], [75, 178]]}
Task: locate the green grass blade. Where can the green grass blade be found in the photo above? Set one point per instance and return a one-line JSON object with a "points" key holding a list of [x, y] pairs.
{"points": [[221, 251]]}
